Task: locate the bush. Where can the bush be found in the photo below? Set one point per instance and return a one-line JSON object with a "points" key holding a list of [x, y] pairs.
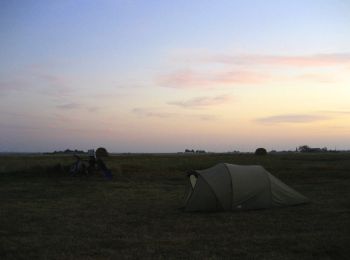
{"points": [[260, 151], [101, 152]]}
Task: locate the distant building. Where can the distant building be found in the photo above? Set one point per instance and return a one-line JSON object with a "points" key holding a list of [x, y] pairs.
{"points": [[307, 149], [191, 151]]}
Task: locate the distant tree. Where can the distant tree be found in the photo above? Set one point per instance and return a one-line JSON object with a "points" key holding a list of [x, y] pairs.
{"points": [[303, 148], [260, 151], [68, 151], [307, 149]]}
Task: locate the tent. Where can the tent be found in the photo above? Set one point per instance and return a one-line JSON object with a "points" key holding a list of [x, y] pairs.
{"points": [[238, 187]]}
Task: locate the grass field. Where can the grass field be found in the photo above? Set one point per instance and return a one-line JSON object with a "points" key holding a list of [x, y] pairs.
{"points": [[46, 214]]}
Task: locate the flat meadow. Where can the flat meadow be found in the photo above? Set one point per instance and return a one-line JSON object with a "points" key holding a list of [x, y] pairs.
{"points": [[47, 214]]}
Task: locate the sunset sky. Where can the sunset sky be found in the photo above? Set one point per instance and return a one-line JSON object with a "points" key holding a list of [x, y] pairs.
{"points": [[163, 76]]}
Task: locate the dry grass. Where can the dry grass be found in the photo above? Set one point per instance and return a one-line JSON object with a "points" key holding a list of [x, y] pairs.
{"points": [[45, 214]]}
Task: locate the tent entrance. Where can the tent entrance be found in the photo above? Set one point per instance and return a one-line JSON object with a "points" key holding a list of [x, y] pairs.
{"points": [[193, 180]]}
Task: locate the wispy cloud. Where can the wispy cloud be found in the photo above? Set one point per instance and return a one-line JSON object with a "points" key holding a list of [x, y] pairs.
{"points": [[313, 60], [336, 112], [53, 85], [93, 108], [322, 78], [148, 112], [292, 118], [34, 82], [74, 106], [217, 70], [190, 78], [207, 117], [52, 78], [7, 86], [19, 127], [144, 112], [201, 102], [69, 106], [316, 60]]}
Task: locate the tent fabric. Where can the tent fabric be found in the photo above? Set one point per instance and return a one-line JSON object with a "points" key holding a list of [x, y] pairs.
{"points": [[236, 187], [202, 196]]}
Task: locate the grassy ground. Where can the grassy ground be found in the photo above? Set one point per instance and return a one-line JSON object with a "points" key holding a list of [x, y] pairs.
{"points": [[46, 214]]}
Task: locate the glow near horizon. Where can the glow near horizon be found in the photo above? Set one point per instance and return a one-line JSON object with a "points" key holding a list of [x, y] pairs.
{"points": [[162, 76]]}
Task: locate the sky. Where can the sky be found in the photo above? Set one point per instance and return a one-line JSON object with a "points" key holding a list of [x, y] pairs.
{"points": [[165, 76]]}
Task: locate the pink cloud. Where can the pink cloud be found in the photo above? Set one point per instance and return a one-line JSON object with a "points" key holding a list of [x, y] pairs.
{"points": [[151, 113], [69, 106], [93, 109], [240, 77], [202, 101], [189, 78], [53, 79], [37, 82], [292, 118], [148, 112], [62, 118], [336, 112], [315, 60], [73, 106], [253, 69], [322, 78], [11, 85], [53, 85], [318, 60]]}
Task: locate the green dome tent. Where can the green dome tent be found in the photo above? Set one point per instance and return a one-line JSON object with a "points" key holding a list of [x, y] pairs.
{"points": [[237, 187]]}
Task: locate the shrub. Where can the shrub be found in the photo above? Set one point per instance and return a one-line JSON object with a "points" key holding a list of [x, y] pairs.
{"points": [[260, 151], [101, 152]]}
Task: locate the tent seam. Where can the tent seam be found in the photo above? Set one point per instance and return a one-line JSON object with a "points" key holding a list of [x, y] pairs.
{"points": [[270, 186], [216, 197], [228, 172]]}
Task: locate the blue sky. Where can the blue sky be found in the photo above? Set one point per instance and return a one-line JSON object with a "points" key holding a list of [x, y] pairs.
{"points": [[144, 76]]}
